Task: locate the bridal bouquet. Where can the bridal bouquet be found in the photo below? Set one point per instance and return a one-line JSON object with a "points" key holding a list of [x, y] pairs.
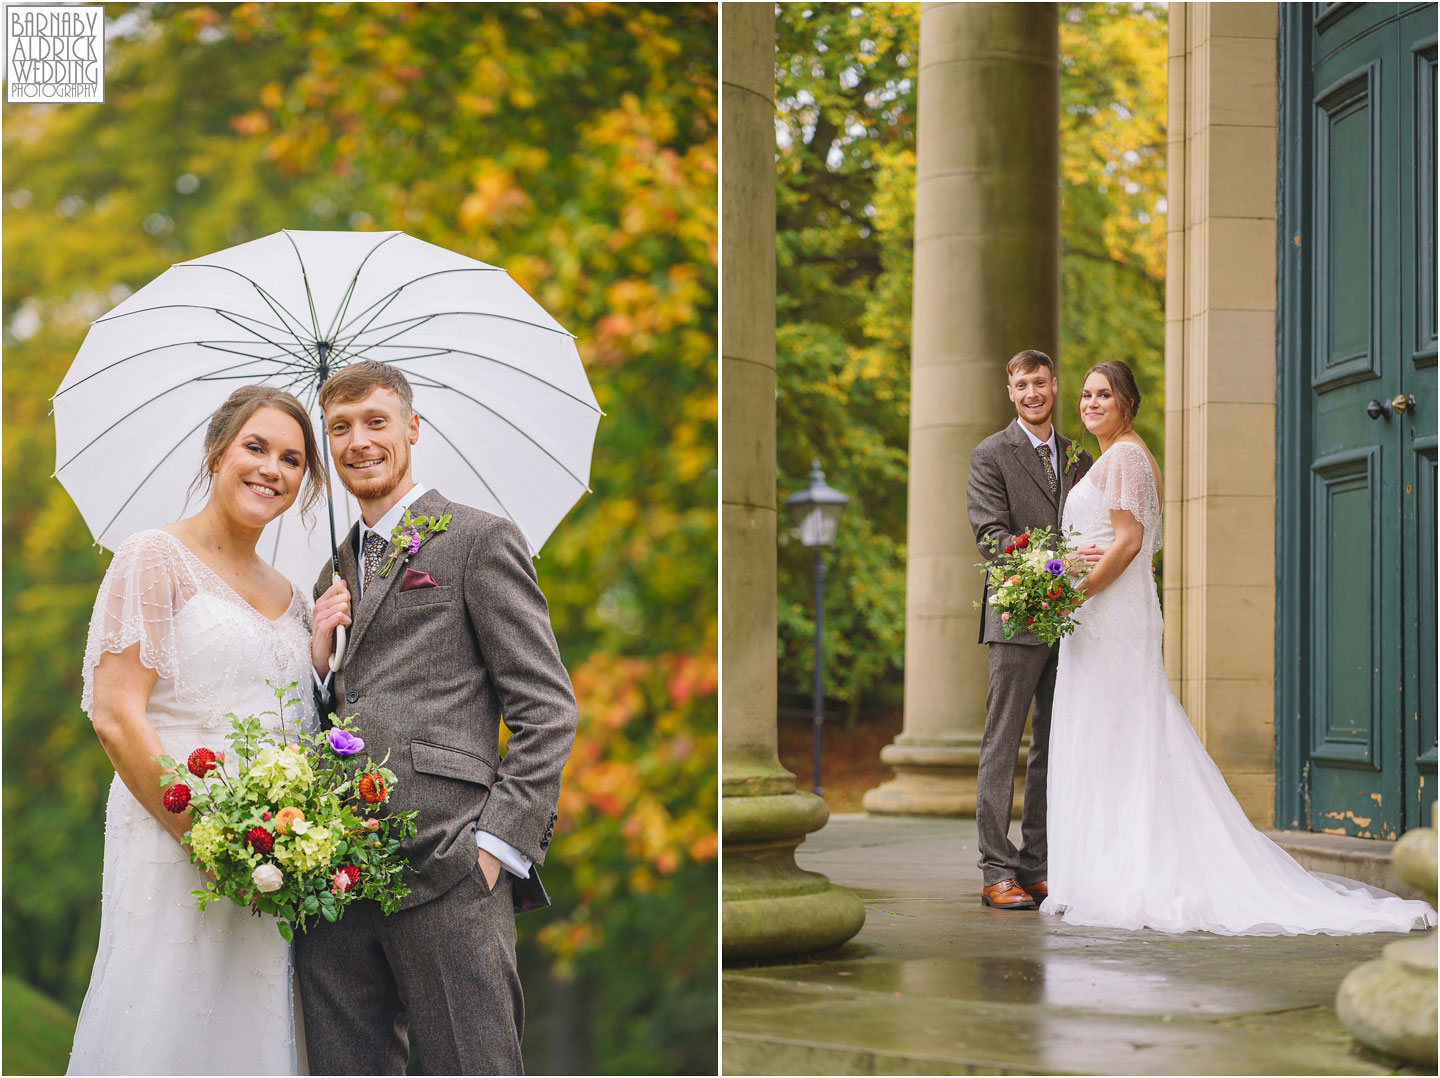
{"points": [[1032, 583], [285, 825]]}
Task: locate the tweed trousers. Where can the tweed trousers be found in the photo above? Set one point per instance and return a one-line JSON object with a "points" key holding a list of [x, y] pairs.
{"points": [[1019, 674], [452, 978]]}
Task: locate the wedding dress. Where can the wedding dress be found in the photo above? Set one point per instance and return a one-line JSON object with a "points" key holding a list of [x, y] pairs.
{"points": [[1143, 832], [175, 991]]}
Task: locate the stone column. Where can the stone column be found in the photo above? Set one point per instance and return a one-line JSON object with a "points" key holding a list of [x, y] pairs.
{"points": [[1219, 586], [770, 906], [987, 285]]}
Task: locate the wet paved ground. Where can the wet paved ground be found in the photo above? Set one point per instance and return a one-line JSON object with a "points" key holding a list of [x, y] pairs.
{"points": [[936, 983]]}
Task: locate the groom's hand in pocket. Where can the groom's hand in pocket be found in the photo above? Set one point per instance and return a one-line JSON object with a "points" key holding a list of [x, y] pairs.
{"points": [[331, 609], [490, 867]]}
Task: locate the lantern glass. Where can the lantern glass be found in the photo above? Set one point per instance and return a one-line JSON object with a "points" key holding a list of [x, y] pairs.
{"points": [[818, 525]]}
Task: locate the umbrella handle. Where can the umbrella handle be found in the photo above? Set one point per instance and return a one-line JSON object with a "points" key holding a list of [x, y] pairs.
{"points": [[337, 657]]}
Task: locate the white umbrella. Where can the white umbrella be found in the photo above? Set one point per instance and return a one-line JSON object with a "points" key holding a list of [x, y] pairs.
{"points": [[507, 417]]}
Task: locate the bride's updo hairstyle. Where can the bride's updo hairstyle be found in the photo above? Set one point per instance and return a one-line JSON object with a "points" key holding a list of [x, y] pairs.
{"points": [[230, 418], [1122, 384]]}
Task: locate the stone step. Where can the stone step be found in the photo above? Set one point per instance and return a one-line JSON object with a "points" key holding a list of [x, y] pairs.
{"points": [[1363, 859]]}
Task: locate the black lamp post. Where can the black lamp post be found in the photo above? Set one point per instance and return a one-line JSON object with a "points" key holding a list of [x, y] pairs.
{"points": [[816, 511]]}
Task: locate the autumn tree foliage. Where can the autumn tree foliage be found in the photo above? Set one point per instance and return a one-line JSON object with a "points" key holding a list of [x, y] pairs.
{"points": [[573, 144], [845, 159]]}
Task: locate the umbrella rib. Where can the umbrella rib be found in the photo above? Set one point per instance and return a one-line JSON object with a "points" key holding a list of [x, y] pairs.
{"points": [[508, 515], [309, 296], [146, 351], [354, 280], [490, 359], [278, 360], [273, 344], [271, 301], [148, 474], [510, 423], [211, 377], [416, 321], [386, 300], [231, 315]]}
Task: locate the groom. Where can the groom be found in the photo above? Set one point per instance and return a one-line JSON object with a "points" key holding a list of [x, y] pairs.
{"points": [[1019, 478], [454, 635]]}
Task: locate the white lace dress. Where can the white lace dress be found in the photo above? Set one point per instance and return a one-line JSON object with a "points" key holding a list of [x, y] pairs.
{"points": [[175, 991], [1143, 832]]}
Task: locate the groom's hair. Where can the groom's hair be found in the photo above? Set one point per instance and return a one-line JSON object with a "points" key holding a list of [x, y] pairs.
{"points": [[1028, 360], [357, 380]]}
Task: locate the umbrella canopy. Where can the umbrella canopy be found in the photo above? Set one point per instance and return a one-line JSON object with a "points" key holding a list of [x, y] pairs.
{"points": [[507, 416]]}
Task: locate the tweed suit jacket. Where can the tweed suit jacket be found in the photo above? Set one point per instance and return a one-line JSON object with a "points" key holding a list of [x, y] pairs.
{"points": [[1007, 494], [429, 672]]}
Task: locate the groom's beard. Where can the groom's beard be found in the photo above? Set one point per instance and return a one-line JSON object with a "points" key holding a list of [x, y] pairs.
{"points": [[377, 483]]}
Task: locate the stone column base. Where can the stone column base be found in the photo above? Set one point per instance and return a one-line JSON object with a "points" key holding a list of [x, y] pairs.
{"points": [[936, 779], [770, 906], [1389, 1003]]}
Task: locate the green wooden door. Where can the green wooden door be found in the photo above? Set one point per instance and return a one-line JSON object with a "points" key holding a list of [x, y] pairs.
{"points": [[1356, 512]]}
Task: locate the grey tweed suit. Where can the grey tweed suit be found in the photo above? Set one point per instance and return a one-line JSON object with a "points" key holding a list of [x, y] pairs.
{"points": [[1008, 493], [429, 672]]}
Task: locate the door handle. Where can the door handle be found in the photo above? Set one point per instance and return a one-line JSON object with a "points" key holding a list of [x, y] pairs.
{"points": [[1376, 408], [1403, 402]]}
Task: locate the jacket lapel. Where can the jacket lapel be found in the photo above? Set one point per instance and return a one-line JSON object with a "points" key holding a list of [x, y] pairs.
{"points": [[1067, 472], [1030, 460], [428, 504], [349, 570]]}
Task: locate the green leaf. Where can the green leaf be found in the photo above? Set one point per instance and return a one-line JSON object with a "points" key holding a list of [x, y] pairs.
{"points": [[287, 931]]}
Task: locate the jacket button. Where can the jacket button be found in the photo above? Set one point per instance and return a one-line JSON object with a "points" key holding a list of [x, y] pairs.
{"points": [[352, 696]]}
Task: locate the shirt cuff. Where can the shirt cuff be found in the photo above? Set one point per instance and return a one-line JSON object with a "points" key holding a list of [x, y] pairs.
{"points": [[515, 861], [323, 686]]}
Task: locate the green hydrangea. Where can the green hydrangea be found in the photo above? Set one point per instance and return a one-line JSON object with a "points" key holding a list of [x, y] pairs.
{"points": [[309, 846], [207, 839], [278, 773]]}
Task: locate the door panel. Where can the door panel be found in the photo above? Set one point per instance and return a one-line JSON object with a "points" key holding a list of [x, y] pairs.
{"points": [[1418, 435], [1356, 535]]}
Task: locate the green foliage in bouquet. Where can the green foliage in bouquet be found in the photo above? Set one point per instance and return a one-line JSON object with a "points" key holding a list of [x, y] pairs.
{"points": [[1032, 578], [285, 827]]}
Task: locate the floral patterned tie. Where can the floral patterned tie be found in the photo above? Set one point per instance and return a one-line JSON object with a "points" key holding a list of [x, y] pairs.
{"points": [[1043, 452], [375, 545]]}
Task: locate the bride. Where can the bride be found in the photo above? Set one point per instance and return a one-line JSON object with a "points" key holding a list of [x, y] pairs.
{"points": [[1144, 833], [191, 624]]}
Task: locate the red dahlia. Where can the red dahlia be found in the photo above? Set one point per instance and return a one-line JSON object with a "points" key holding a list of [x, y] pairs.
{"points": [[372, 788], [176, 798], [201, 763], [261, 840], [1022, 541]]}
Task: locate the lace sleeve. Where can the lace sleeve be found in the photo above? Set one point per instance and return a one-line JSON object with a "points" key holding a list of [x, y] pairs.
{"points": [[139, 598], [1126, 481]]}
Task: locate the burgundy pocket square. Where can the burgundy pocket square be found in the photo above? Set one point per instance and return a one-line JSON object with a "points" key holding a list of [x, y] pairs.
{"points": [[413, 579]]}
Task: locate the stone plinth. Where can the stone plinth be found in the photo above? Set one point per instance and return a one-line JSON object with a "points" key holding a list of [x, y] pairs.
{"points": [[1390, 1003]]}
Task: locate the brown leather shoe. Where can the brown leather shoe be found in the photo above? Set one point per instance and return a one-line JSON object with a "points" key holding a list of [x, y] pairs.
{"points": [[1038, 891], [1007, 895]]}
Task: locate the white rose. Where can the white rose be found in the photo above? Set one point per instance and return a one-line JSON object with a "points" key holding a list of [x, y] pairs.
{"points": [[267, 878]]}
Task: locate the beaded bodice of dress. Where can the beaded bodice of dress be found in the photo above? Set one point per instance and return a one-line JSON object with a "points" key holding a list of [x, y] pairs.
{"points": [[213, 652]]}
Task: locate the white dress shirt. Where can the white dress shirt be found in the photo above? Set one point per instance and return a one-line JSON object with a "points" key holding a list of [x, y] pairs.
{"points": [[506, 854]]}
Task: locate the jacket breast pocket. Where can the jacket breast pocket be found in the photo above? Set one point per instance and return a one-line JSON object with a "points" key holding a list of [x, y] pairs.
{"points": [[442, 593], [450, 763]]}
